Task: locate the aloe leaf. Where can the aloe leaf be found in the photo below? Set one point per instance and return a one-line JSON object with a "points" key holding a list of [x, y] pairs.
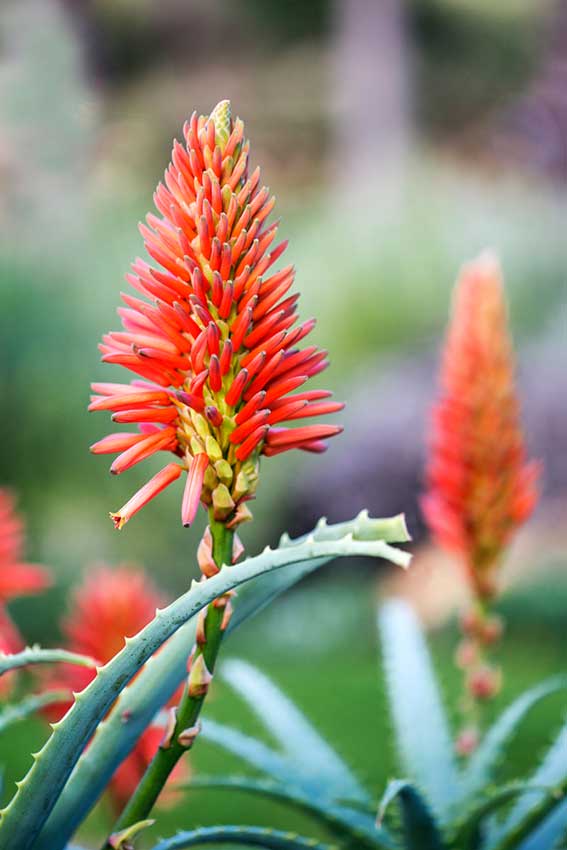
{"points": [[288, 773], [513, 835], [15, 712], [481, 764], [332, 816], [292, 730], [549, 832], [254, 752], [250, 836], [362, 527], [37, 794], [534, 807], [419, 827], [468, 831], [420, 723], [37, 655], [140, 701]]}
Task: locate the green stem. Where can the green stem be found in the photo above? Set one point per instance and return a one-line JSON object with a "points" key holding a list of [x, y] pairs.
{"points": [[170, 751], [474, 709]]}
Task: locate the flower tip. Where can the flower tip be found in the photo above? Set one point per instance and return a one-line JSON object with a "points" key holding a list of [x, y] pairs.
{"points": [[119, 520], [222, 119], [486, 266], [221, 110]]}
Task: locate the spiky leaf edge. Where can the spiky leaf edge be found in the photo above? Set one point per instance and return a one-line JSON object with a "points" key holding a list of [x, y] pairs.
{"points": [[428, 759], [478, 771], [251, 836]]}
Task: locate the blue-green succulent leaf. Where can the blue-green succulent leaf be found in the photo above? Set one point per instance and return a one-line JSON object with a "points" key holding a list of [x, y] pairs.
{"points": [[249, 836], [468, 833], [37, 794], [336, 817], [292, 730], [552, 773], [422, 731], [37, 655], [14, 712], [479, 770], [286, 772], [420, 830], [550, 832], [254, 752]]}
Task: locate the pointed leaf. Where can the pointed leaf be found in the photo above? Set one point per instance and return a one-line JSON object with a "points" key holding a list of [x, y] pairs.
{"points": [[468, 831], [250, 836], [254, 752], [37, 794], [549, 832], [426, 753], [418, 822], [292, 730], [37, 655], [281, 768], [333, 817], [14, 712], [534, 806], [479, 770], [513, 835]]}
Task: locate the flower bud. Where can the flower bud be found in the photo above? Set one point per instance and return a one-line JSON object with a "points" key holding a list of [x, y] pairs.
{"points": [[199, 678], [223, 504], [467, 741], [484, 682], [467, 654]]}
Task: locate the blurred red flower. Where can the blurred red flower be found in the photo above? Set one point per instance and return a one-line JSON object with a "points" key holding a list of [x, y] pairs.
{"points": [[17, 578], [216, 343], [480, 488], [110, 605]]}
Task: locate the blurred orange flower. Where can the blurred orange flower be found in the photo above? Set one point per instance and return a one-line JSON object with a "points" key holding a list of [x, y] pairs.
{"points": [[216, 341], [480, 488], [110, 605]]}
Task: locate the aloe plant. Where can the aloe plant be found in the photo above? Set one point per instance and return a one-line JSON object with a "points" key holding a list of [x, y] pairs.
{"points": [[213, 346], [442, 804], [66, 779]]}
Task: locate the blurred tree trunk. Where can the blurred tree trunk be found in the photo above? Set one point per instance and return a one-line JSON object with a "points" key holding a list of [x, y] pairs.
{"points": [[371, 94]]}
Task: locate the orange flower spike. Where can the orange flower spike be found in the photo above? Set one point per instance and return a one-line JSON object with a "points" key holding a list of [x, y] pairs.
{"points": [[215, 343], [480, 488]]}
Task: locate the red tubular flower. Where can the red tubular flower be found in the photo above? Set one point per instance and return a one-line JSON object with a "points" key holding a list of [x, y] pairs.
{"points": [[214, 338], [480, 486], [110, 605], [17, 578]]}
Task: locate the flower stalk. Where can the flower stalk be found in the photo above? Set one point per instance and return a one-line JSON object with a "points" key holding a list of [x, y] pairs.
{"points": [[183, 725]]}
